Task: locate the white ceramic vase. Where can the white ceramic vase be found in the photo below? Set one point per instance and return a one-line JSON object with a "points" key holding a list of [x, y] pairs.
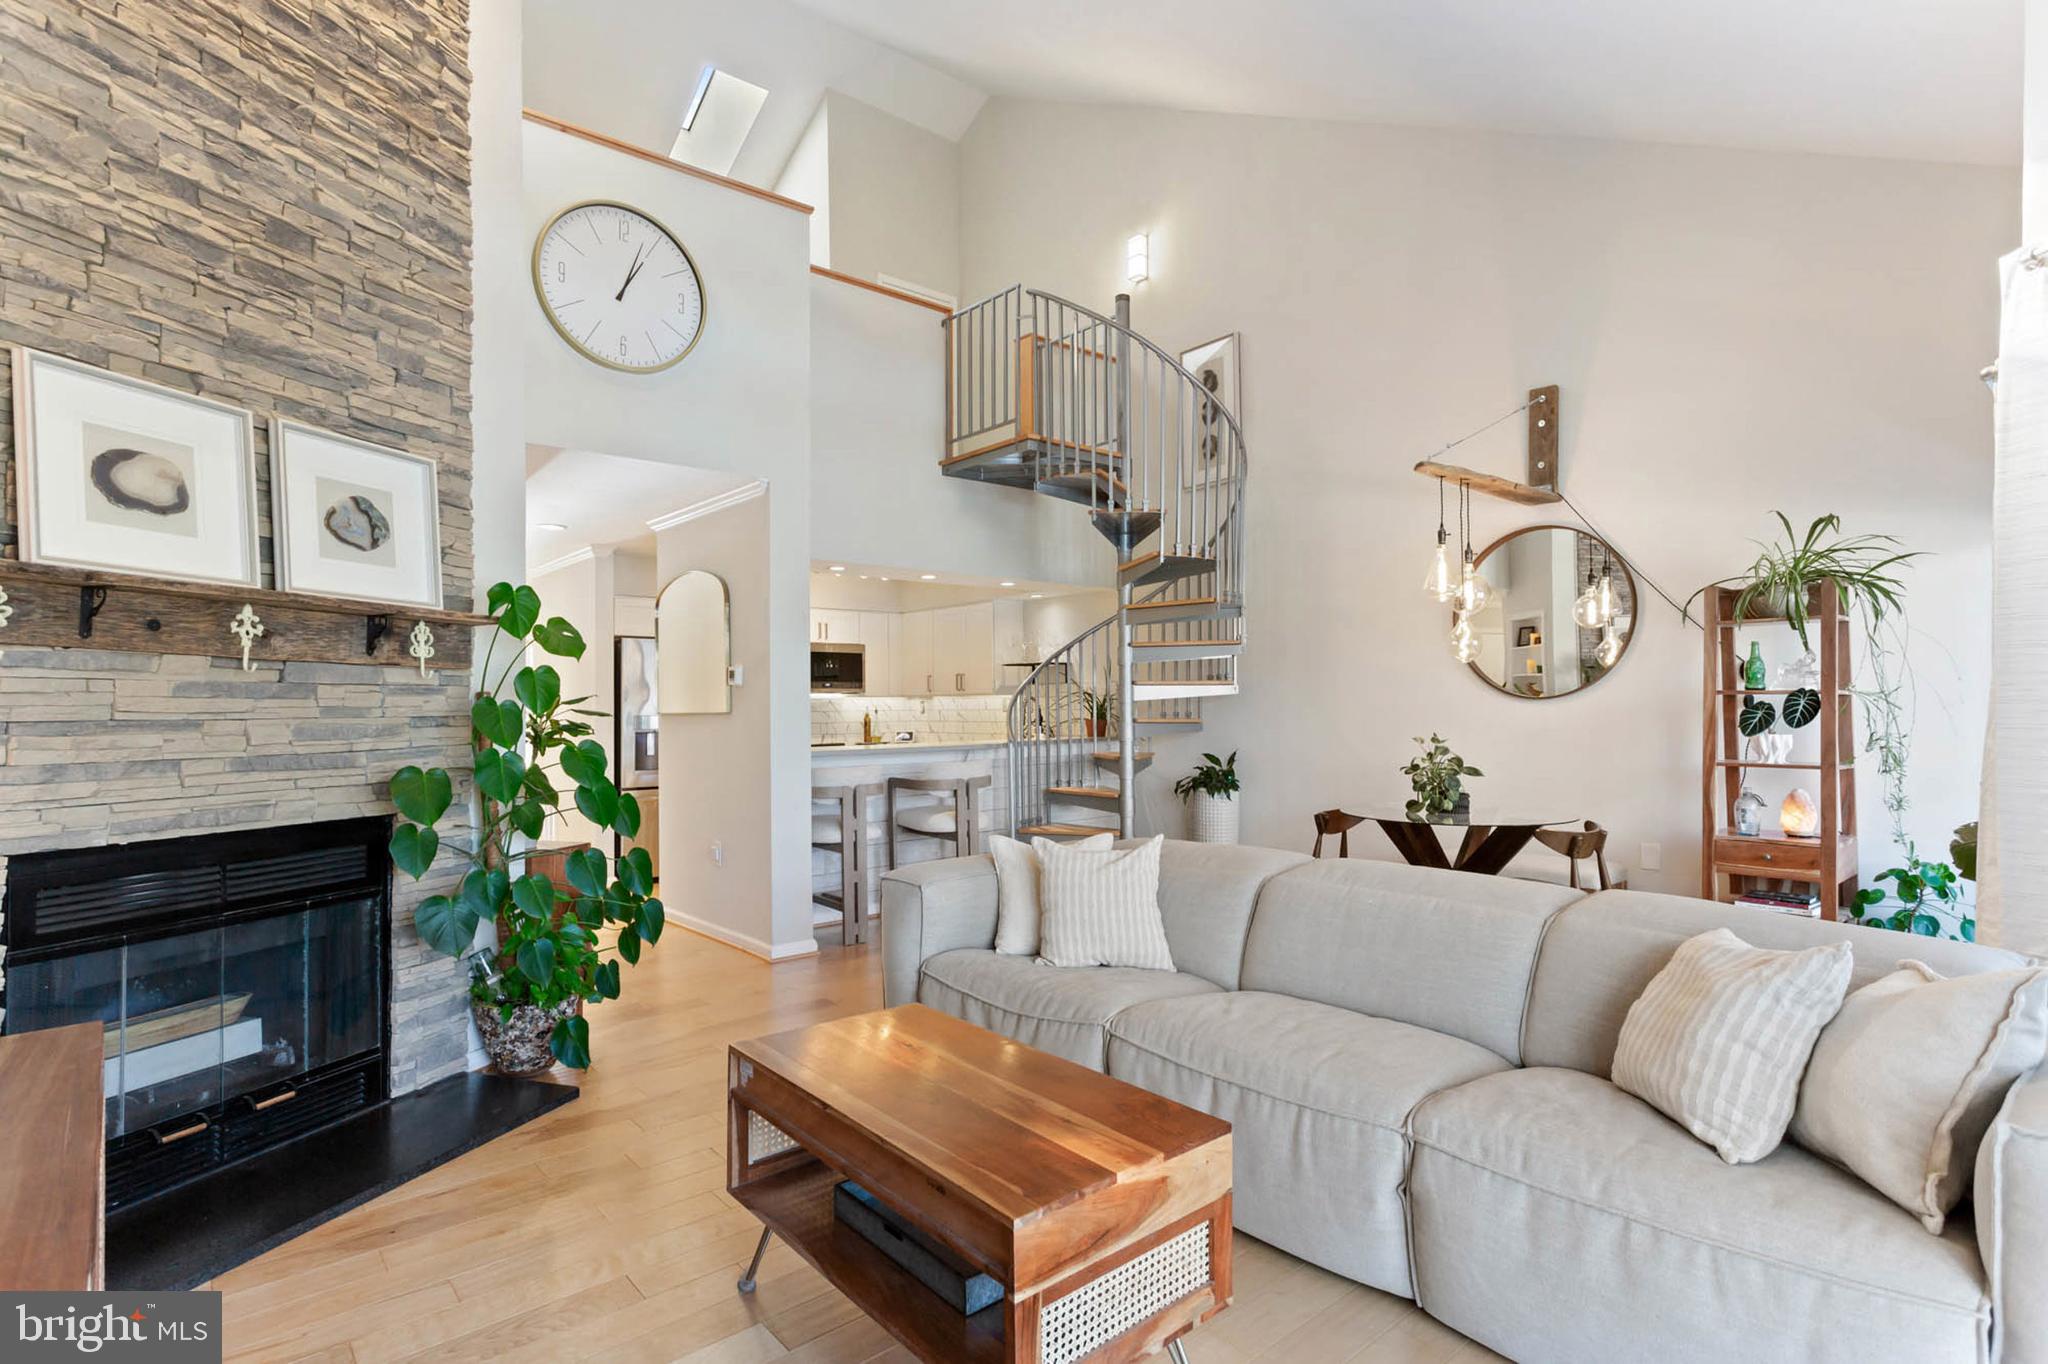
{"points": [[1212, 819]]}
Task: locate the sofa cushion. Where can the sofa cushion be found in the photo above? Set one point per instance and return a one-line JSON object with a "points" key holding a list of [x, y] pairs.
{"points": [[1058, 1009], [1206, 896], [1318, 1097], [1556, 1218], [1446, 950], [1599, 954]]}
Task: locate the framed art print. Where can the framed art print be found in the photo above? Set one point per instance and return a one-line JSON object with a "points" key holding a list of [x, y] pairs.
{"points": [[352, 519], [1214, 365], [120, 474]]}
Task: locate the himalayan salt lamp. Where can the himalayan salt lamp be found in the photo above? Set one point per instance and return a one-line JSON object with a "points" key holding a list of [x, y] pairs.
{"points": [[1799, 816]]}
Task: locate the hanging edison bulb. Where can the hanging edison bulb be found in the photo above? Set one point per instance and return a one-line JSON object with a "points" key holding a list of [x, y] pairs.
{"points": [[1586, 609], [1608, 610], [1473, 591], [1609, 647], [1464, 644], [1441, 582]]}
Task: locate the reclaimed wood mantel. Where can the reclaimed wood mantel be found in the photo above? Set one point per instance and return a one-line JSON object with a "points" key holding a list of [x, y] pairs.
{"points": [[50, 607]]}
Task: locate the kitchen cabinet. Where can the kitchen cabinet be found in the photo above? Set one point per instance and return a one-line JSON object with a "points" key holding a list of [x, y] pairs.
{"points": [[835, 627], [878, 651], [913, 667], [963, 649]]}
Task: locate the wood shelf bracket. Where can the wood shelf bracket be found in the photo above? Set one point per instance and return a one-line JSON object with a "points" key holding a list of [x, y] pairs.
{"points": [[1545, 470], [374, 630]]}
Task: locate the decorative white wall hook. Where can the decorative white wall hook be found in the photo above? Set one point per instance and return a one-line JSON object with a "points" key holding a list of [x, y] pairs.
{"points": [[422, 646], [246, 627], [6, 611]]}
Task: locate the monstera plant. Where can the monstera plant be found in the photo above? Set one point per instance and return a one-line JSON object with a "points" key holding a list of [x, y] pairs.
{"points": [[534, 757]]}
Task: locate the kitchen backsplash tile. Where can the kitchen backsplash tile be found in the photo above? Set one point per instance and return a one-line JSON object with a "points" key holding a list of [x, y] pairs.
{"points": [[836, 719]]}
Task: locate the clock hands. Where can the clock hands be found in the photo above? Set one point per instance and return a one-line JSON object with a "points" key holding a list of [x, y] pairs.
{"points": [[638, 261]]}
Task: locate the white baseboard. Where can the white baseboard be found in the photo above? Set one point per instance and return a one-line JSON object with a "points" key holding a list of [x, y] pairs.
{"points": [[745, 942]]}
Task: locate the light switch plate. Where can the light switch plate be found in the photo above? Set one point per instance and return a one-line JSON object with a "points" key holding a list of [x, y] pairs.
{"points": [[1652, 858], [737, 675]]}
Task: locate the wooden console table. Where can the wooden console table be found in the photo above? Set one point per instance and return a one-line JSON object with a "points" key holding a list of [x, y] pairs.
{"points": [[1104, 1210], [53, 1148]]}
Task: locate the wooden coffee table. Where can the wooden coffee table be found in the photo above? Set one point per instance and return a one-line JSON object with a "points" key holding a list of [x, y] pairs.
{"points": [[1103, 1209]]}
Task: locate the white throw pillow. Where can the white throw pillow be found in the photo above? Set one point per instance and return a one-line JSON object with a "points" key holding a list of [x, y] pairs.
{"points": [[1906, 1080], [1101, 907], [1017, 889], [1720, 1037]]}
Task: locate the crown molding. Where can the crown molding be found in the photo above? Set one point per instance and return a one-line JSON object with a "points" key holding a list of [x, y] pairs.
{"points": [[716, 503]]}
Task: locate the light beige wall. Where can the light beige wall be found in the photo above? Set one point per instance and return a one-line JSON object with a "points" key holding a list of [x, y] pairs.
{"points": [[895, 196], [808, 179], [1733, 332], [716, 770], [580, 594]]}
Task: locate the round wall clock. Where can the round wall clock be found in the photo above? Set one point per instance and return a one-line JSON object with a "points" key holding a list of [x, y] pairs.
{"points": [[618, 286]]}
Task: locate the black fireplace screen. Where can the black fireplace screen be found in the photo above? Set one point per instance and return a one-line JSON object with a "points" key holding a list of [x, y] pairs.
{"points": [[238, 979]]}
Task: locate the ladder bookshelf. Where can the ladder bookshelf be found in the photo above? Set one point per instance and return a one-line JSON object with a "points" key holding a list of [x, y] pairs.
{"points": [[1731, 863]]}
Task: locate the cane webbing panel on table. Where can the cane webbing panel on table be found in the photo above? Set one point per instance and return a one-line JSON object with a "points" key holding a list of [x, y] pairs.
{"points": [[1077, 1325]]}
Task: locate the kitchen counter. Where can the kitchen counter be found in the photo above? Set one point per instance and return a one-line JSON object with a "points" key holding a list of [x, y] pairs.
{"points": [[914, 746]]}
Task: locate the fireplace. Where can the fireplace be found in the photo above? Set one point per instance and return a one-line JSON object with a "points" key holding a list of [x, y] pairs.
{"points": [[241, 981]]}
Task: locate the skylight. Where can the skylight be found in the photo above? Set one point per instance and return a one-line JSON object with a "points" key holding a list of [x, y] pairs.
{"points": [[721, 113]]}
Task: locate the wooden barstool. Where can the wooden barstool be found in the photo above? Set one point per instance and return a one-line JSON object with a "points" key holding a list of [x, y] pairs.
{"points": [[958, 822], [1339, 823], [843, 829]]}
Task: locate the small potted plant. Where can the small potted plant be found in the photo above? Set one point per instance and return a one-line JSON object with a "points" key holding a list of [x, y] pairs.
{"points": [[1209, 793], [1928, 895], [528, 992], [1438, 776], [1097, 710]]}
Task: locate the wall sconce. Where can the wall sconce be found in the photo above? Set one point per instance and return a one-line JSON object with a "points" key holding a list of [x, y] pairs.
{"points": [[1138, 258]]}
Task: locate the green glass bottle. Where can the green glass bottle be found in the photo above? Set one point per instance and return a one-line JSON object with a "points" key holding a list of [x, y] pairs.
{"points": [[1753, 668]]}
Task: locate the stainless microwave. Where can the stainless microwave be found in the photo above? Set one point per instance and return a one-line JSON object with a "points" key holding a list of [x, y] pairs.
{"points": [[838, 667]]}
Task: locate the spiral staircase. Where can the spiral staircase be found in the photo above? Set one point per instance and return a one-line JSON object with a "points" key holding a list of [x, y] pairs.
{"points": [[1044, 394]]}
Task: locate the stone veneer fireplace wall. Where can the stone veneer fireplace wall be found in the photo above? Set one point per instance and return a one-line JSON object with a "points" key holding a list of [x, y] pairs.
{"points": [[268, 203]]}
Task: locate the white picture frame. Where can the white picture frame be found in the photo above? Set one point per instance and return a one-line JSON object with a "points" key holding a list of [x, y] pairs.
{"points": [[119, 474], [352, 519], [1217, 360]]}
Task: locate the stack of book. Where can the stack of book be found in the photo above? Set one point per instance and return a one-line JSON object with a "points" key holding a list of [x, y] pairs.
{"points": [[1801, 902]]}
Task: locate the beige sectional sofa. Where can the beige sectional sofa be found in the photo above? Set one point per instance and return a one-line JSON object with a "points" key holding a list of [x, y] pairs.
{"points": [[1416, 1065]]}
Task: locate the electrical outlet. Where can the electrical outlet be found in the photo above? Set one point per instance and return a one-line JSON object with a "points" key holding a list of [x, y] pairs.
{"points": [[718, 854], [1652, 857], [737, 675]]}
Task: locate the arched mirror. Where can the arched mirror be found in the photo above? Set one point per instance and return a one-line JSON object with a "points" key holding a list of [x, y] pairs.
{"points": [[693, 639], [1560, 616]]}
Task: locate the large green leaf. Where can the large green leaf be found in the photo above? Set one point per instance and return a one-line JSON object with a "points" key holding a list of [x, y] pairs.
{"points": [[516, 608], [538, 689], [498, 721], [529, 817], [448, 926], [537, 961], [599, 802], [629, 944], [412, 849], [627, 821], [559, 638], [1801, 706], [585, 763], [537, 782], [535, 895], [636, 871], [586, 871], [422, 797], [1756, 717], [653, 917], [570, 1043], [498, 774], [607, 979]]}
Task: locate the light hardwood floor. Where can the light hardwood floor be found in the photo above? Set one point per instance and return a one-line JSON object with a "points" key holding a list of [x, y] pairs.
{"points": [[603, 1230]]}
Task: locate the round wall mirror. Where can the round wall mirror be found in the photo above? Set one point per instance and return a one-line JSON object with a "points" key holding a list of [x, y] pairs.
{"points": [[1561, 614]]}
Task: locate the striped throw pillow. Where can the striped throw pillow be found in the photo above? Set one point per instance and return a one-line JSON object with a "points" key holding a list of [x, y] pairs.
{"points": [[1017, 888], [1101, 907], [1719, 1039]]}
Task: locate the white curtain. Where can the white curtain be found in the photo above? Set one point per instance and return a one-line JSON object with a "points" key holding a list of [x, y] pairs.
{"points": [[2013, 821]]}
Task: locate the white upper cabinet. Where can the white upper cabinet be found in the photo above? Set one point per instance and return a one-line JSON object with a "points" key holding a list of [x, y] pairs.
{"points": [[835, 627], [913, 666], [878, 649]]}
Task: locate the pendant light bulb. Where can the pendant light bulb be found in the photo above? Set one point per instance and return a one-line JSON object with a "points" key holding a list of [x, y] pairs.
{"points": [[1606, 596], [1473, 591], [1586, 609], [1608, 650], [1440, 582], [1464, 644]]}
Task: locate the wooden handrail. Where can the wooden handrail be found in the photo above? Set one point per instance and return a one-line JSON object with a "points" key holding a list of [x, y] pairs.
{"points": [[681, 167], [882, 289], [52, 1160]]}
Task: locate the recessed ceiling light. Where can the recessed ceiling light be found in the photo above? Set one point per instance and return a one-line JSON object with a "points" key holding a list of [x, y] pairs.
{"points": [[1036, 595], [885, 577], [929, 577], [863, 577], [839, 568], [1009, 584], [549, 525]]}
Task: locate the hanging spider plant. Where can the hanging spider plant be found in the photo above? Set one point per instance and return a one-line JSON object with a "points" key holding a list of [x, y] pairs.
{"points": [[1781, 580]]}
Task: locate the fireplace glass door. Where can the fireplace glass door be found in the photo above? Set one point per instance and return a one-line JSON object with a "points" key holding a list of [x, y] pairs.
{"points": [[195, 1020]]}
